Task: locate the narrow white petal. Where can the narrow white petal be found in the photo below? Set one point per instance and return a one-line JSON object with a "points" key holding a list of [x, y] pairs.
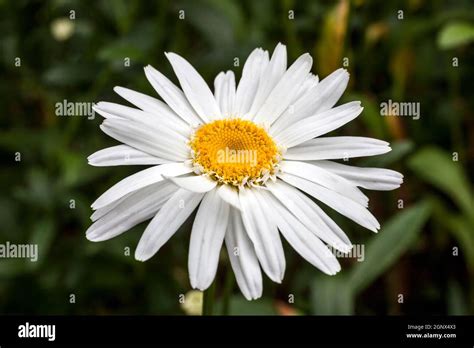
{"points": [[271, 76], [370, 178], [336, 201], [136, 208], [251, 73], [97, 214], [155, 107], [337, 148], [154, 141], [284, 92], [242, 257], [122, 155], [309, 83], [165, 121], [300, 238], [329, 91], [194, 183], [310, 215], [139, 180], [166, 222], [195, 88], [319, 124], [172, 95], [264, 235], [319, 98], [224, 92], [230, 195], [207, 237], [324, 178]]}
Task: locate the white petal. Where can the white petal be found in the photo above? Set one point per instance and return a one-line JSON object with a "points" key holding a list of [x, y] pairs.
{"points": [[166, 222], [310, 215], [370, 178], [264, 235], [121, 155], [320, 98], [242, 257], [136, 208], [153, 106], [156, 142], [284, 92], [195, 88], [97, 214], [251, 73], [172, 95], [324, 178], [230, 195], [337, 148], [167, 122], [300, 238], [224, 92], [329, 91], [309, 83], [271, 75], [336, 201], [319, 124], [194, 183], [139, 180], [207, 237]]}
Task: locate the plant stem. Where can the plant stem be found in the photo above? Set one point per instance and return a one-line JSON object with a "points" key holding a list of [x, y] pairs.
{"points": [[208, 300], [228, 287]]}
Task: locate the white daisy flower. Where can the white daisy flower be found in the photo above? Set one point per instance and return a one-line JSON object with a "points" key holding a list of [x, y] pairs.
{"points": [[248, 158]]}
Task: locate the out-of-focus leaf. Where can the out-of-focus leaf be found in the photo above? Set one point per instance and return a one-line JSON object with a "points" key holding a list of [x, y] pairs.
{"points": [[135, 46], [67, 74], [330, 47], [42, 235], [436, 167], [455, 34], [383, 250], [12, 267], [463, 232], [208, 15], [456, 300], [240, 306], [331, 296]]}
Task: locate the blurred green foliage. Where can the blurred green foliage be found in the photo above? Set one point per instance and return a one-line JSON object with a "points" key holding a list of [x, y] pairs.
{"points": [[425, 249]]}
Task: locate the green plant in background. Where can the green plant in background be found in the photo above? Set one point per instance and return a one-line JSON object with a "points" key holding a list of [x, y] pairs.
{"points": [[425, 251]]}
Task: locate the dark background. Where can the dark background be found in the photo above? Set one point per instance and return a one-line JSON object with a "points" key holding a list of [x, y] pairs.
{"points": [[425, 250]]}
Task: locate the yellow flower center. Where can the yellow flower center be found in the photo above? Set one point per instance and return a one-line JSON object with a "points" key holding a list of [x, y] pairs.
{"points": [[234, 151]]}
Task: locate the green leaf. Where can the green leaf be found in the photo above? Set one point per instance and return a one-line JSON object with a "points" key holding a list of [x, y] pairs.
{"points": [[331, 296], [455, 34], [462, 231], [457, 303], [437, 167], [394, 239], [42, 235], [240, 306]]}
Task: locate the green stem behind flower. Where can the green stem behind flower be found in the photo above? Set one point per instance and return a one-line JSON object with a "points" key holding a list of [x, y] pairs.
{"points": [[208, 300]]}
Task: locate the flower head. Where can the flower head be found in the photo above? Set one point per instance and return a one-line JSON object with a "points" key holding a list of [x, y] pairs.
{"points": [[248, 158]]}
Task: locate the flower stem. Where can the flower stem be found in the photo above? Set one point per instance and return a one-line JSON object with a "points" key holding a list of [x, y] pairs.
{"points": [[228, 287], [208, 300]]}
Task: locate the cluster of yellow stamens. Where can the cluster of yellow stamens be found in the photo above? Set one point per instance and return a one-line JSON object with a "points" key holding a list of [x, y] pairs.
{"points": [[234, 151]]}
